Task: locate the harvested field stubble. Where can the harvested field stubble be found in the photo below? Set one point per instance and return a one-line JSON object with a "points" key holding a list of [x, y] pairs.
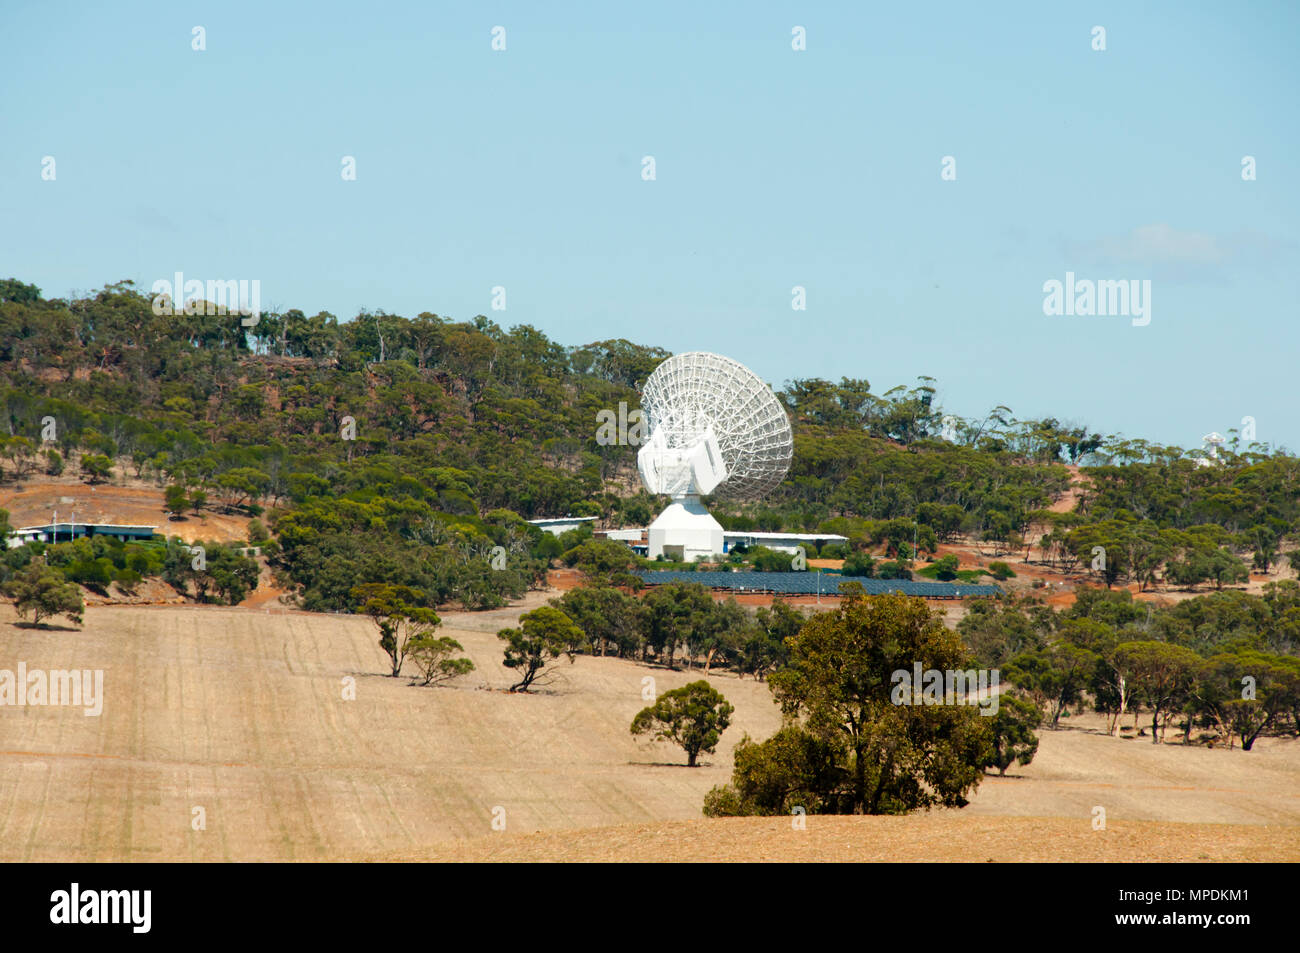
{"points": [[946, 836], [240, 712]]}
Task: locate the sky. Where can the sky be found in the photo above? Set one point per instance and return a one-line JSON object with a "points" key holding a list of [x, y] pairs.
{"points": [[774, 168]]}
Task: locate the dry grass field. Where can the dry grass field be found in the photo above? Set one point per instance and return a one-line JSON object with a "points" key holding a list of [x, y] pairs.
{"points": [[945, 836], [240, 712]]}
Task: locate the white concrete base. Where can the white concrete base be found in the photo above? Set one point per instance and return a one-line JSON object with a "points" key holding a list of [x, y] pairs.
{"points": [[685, 530]]}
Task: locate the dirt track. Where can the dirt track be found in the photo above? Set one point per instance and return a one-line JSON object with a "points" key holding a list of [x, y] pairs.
{"points": [[240, 712]]}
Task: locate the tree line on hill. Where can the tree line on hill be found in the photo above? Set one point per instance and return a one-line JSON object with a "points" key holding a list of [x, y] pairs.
{"points": [[424, 428], [396, 460]]}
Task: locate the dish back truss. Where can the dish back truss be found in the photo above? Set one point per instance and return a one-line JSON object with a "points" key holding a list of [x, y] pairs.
{"points": [[715, 427]]}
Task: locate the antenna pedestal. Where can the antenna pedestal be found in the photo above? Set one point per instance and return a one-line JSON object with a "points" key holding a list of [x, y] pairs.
{"points": [[684, 531]]}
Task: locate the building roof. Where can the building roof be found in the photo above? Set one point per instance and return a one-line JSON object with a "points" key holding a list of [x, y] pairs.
{"points": [[563, 519], [69, 527], [750, 534]]}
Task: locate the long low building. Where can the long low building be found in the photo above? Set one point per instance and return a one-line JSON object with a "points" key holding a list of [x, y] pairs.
{"points": [[562, 524], [66, 532], [635, 536], [785, 542], [817, 583]]}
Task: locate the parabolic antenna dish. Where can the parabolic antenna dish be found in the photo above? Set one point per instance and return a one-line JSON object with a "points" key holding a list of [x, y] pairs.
{"points": [[714, 428]]}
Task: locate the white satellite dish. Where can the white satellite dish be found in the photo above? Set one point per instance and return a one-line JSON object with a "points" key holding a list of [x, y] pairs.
{"points": [[715, 428], [1214, 440]]}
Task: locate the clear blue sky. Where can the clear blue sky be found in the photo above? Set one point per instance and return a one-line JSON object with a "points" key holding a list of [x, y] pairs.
{"points": [[774, 168]]}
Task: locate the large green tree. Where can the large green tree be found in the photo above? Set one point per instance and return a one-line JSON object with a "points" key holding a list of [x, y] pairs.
{"points": [[42, 592], [1054, 676], [1159, 674], [838, 688], [608, 616], [692, 717], [403, 622], [793, 769], [542, 636], [1012, 727]]}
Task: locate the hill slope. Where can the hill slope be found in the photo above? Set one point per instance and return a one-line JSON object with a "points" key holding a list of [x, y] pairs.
{"points": [[240, 712]]}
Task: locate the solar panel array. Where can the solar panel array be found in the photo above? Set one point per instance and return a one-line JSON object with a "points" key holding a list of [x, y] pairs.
{"points": [[807, 584]]}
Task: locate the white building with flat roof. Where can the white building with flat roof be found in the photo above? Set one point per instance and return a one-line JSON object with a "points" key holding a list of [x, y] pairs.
{"points": [[785, 542], [562, 524], [66, 532], [713, 543], [634, 535]]}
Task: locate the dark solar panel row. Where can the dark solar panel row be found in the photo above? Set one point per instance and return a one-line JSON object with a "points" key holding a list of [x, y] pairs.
{"points": [[808, 583]]}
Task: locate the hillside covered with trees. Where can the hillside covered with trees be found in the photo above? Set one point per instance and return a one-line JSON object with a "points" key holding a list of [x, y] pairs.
{"points": [[396, 449], [388, 454]]}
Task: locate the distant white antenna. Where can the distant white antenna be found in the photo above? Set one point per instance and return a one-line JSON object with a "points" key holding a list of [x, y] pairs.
{"points": [[1214, 441], [715, 428]]}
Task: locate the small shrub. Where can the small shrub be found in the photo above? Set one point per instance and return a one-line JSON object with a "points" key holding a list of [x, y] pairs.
{"points": [[1000, 571], [893, 570], [946, 568]]}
